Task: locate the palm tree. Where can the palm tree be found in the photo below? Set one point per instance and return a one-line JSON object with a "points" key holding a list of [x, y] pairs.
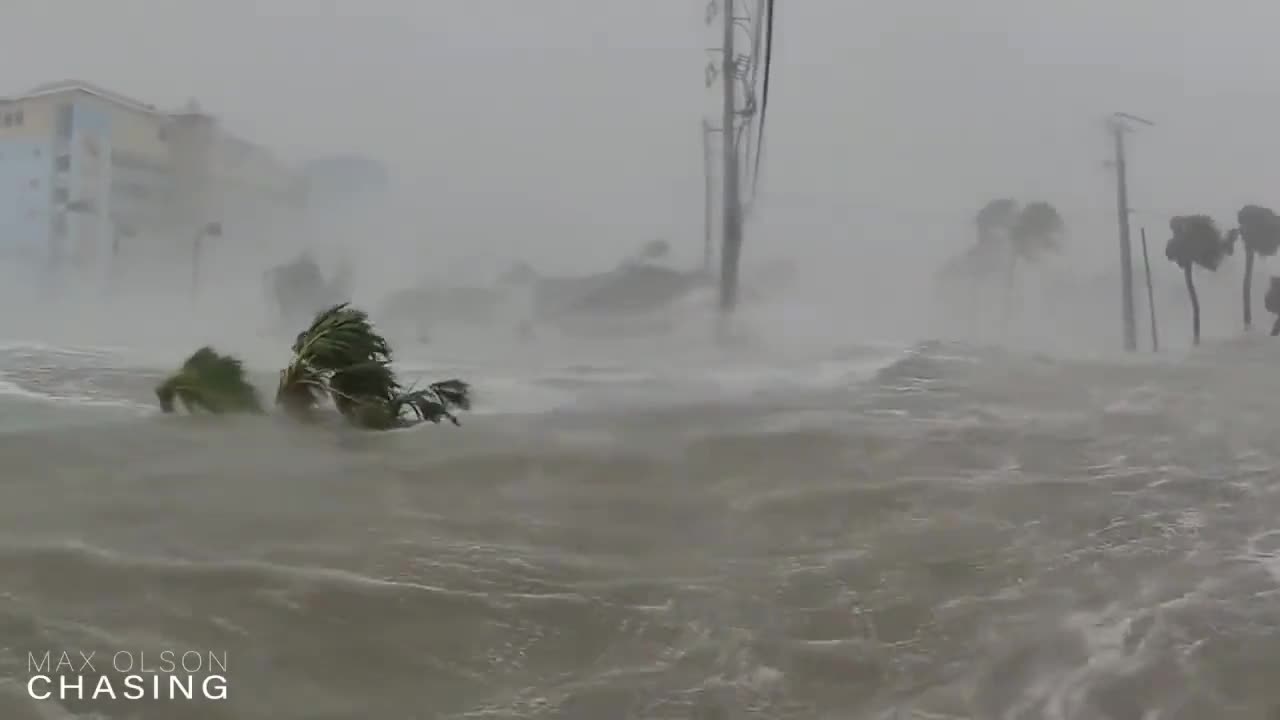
{"points": [[211, 382], [1036, 231], [970, 268], [1272, 303], [342, 357], [995, 219], [1259, 228], [1196, 241]]}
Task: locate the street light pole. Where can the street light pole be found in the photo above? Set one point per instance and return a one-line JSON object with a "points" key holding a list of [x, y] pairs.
{"points": [[1118, 129], [213, 229]]}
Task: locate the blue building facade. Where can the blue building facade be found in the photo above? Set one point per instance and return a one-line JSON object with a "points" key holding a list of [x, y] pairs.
{"points": [[58, 204], [26, 199]]}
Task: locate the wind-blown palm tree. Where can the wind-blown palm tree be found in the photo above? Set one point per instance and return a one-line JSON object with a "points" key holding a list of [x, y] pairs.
{"points": [[993, 223], [995, 219], [211, 382], [1006, 233], [1196, 241], [1259, 229], [342, 357], [1036, 231], [1272, 303]]}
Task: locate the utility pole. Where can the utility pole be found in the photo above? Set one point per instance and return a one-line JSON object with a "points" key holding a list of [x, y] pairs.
{"points": [[1118, 129], [708, 193], [731, 246]]}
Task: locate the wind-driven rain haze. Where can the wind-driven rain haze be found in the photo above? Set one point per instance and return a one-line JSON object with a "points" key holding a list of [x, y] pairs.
{"points": [[366, 352]]}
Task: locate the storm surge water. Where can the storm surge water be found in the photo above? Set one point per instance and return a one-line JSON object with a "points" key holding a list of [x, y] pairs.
{"points": [[926, 530]]}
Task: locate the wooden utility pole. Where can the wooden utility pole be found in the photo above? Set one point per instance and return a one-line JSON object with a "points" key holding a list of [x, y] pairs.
{"points": [[1151, 298], [731, 245], [1126, 252], [1118, 129]]}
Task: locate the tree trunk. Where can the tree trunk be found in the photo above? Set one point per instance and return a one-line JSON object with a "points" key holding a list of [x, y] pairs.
{"points": [[1195, 305], [1275, 329], [1248, 287]]}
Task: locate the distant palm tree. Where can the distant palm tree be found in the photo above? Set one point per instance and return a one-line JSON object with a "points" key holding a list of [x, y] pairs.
{"points": [[1036, 232], [1272, 303], [993, 224], [995, 219], [1259, 229], [1196, 241], [1006, 233]]}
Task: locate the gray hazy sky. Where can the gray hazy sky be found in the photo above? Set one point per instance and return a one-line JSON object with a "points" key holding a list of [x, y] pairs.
{"points": [[575, 122]]}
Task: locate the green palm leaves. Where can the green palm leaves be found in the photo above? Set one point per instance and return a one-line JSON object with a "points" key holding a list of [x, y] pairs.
{"points": [[210, 382], [339, 358]]}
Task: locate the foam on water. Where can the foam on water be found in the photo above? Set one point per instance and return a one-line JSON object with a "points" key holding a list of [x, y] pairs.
{"points": [[930, 531]]}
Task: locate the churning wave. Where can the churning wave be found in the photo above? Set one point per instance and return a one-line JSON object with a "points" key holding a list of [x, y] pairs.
{"points": [[938, 531]]}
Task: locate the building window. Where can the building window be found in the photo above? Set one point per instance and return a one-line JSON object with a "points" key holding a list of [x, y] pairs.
{"points": [[60, 195], [8, 119], [17, 118], [63, 163]]}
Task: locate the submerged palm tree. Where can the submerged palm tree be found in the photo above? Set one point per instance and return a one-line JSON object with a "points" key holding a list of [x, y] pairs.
{"points": [[342, 357], [211, 382], [1259, 229], [1272, 303], [1196, 241]]}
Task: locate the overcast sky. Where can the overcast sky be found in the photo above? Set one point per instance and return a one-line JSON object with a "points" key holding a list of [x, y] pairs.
{"points": [[575, 122]]}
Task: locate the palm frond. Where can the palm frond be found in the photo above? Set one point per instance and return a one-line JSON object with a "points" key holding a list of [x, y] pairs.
{"points": [[341, 356], [455, 392], [301, 389], [996, 215], [340, 337], [370, 381], [435, 402], [1196, 240], [1037, 230], [211, 382], [1260, 229]]}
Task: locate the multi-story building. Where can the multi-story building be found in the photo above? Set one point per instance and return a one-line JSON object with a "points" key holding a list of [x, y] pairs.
{"points": [[81, 167]]}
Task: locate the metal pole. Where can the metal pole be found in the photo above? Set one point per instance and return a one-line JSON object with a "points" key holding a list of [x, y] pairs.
{"points": [[732, 242], [1126, 250], [195, 264], [708, 191], [1151, 298]]}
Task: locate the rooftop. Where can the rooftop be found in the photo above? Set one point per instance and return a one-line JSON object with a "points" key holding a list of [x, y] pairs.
{"points": [[72, 85]]}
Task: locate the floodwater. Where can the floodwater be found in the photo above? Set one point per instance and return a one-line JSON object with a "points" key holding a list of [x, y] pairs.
{"points": [[923, 531]]}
